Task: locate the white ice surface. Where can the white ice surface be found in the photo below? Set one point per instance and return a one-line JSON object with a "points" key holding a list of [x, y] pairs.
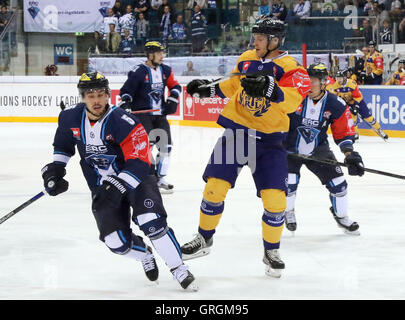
{"points": [[50, 250]]}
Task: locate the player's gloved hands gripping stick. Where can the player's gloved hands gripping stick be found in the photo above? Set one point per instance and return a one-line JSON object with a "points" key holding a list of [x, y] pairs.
{"points": [[110, 193], [354, 164], [170, 106], [53, 174], [125, 104], [198, 88], [258, 87]]}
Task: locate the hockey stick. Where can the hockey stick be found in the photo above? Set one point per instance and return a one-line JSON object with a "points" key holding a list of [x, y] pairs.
{"points": [[235, 74], [334, 163], [372, 128], [145, 111], [392, 62], [24, 205]]}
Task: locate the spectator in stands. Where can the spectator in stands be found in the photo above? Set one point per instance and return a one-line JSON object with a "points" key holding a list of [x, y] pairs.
{"points": [[141, 6], [4, 17], [198, 29], [190, 70], [366, 31], [368, 7], [264, 8], [302, 9], [142, 30], [202, 4], [50, 70], [107, 21], [127, 21], [113, 39], [382, 14], [98, 45], [155, 4], [127, 44], [386, 33], [396, 14], [279, 10], [117, 9], [166, 24], [161, 9], [179, 30]]}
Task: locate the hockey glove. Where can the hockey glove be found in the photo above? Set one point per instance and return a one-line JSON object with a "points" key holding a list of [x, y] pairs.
{"points": [[170, 106], [110, 193], [354, 164], [53, 174], [194, 88], [125, 104], [258, 87], [354, 109]]}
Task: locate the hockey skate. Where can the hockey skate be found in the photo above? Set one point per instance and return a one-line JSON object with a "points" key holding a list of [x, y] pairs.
{"points": [[149, 266], [273, 263], [290, 221], [197, 247], [164, 186], [382, 134], [348, 226], [185, 278]]}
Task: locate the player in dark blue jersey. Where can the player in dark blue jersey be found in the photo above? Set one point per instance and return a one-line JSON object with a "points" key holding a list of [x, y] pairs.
{"points": [[308, 136], [115, 159], [144, 90]]}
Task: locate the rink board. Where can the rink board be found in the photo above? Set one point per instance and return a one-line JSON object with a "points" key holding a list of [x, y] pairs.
{"points": [[37, 99]]}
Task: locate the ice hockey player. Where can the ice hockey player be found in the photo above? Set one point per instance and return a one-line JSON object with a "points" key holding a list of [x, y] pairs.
{"points": [[349, 91], [256, 114], [398, 78], [374, 65], [308, 136], [115, 160], [144, 90]]}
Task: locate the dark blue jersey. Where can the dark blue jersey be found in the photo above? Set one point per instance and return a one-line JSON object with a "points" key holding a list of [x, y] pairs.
{"points": [[115, 145], [309, 125], [145, 87]]}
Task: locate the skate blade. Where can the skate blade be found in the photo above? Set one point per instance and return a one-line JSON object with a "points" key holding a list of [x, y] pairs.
{"points": [[351, 233], [165, 191], [273, 273], [198, 254], [192, 287]]}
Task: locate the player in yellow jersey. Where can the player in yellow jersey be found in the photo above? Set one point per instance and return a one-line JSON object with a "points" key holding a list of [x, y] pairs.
{"points": [[349, 91], [398, 78], [374, 65], [256, 122]]}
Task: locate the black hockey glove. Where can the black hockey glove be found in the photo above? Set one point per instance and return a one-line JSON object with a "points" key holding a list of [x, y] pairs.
{"points": [[125, 104], [53, 174], [354, 164], [193, 88], [354, 109], [170, 106], [262, 86], [110, 193]]}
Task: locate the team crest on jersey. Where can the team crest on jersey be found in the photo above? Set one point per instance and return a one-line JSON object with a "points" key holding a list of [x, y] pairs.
{"points": [[258, 106], [109, 137], [299, 109], [308, 134], [327, 114], [245, 66], [76, 133]]}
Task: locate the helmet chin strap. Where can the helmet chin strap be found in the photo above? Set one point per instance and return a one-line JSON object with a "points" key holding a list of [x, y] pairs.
{"points": [[268, 50]]}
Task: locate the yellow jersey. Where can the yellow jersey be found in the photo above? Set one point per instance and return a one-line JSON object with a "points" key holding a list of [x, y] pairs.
{"points": [[349, 92], [398, 78], [261, 114], [374, 63]]}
